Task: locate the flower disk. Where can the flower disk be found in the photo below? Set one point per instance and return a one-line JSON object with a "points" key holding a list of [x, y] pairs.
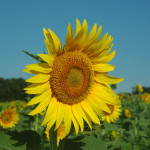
{"points": [[71, 77], [9, 118], [71, 83], [114, 112]]}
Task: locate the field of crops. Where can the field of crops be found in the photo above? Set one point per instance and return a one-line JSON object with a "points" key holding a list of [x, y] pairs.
{"points": [[130, 131]]}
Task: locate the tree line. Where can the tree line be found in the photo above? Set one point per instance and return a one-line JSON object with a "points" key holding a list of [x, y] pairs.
{"points": [[12, 89]]}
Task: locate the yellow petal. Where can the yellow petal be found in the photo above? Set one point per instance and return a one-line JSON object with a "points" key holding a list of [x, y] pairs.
{"points": [[84, 116], [90, 112], [92, 33], [102, 48], [106, 43], [98, 103], [41, 107], [91, 39], [41, 67], [49, 42], [69, 35], [103, 67], [39, 78], [52, 108], [104, 78], [51, 121], [50, 47], [30, 71], [67, 118], [60, 114], [75, 123], [85, 28], [47, 58], [98, 33], [41, 97], [100, 92], [78, 26], [78, 116], [105, 51], [37, 88], [95, 106], [106, 58], [56, 40], [94, 48]]}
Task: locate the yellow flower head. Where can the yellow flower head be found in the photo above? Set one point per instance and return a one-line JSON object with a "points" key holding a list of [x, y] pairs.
{"points": [[127, 113], [9, 118], [146, 97], [120, 95], [12, 103], [24, 104], [139, 88], [114, 114], [61, 133], [72, 84]]}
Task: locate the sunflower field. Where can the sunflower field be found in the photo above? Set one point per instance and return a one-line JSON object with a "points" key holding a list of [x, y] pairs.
{"points": [[130, 131], [70, 103]]}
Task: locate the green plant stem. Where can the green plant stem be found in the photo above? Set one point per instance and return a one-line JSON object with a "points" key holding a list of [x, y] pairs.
{"points": [[36, 122], [131, 134], [42, 140], [62, 144], [135, 128], [53, 138], [135, 131]]}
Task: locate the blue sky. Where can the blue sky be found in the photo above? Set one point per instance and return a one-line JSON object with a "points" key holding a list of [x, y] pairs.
{"points": [[22, 22]]}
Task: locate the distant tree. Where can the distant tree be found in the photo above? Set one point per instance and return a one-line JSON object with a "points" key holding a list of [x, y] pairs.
{"points": [[114, 86], [12, 89], [146, 89]]}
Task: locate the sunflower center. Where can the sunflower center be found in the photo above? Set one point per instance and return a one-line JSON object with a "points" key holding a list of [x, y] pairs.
{"points": [[6, 118], [111, 107], [75, 77], [71, 77]]}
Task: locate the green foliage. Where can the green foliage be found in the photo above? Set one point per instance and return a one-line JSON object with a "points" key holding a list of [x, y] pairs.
{"points": [[12, 89], [114, 86], [34, 56], [24, 140], [130, 133]]}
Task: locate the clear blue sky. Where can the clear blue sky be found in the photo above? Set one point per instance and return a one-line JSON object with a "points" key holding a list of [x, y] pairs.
{"points": [[128, 21]]}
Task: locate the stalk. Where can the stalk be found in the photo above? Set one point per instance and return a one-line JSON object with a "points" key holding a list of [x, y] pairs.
{"points": [[53, 138]]}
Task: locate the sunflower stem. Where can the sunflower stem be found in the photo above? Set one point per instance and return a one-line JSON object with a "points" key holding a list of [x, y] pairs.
{"points": [[63, 142], [53, 138], [42, 140], [36, 122]]}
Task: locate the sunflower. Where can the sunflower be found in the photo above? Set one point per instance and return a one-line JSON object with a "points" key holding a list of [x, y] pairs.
{"points": [[139, 88], [127, 113], [146, 97], [12, 105], [71, 83], [115, 112], [9, 118], [120, 95], [61, 133]]}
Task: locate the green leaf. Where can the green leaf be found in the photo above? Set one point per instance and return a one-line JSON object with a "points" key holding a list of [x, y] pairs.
{"points": [[25, 140], [88, 142], [7, 144], [74, 143], [93, 143], [109, 126], [34, 56]]}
